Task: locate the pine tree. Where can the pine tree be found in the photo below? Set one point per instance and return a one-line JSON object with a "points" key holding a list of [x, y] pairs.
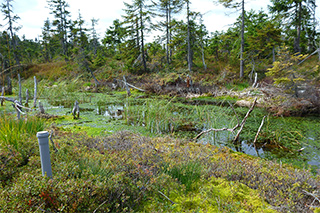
{"points": [[114, 37]]}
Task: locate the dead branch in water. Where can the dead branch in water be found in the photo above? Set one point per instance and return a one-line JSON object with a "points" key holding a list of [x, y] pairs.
{"points": [[255, 139], [230, 129], [245, 119]]}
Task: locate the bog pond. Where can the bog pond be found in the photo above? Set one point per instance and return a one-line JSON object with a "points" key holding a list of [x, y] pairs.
{"points": [[294, 140]]}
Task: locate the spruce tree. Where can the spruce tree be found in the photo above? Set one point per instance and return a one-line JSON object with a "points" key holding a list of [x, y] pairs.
{"points": [[138, 17], [166, 9], [11, 18], [297, 19], [238, 4], [61, 22]]}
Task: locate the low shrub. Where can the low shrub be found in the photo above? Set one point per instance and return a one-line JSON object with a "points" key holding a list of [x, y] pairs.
{"points": [[127, 172]]}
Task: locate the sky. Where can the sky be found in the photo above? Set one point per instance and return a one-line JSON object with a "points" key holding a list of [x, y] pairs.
{"points": [[33, 13]]}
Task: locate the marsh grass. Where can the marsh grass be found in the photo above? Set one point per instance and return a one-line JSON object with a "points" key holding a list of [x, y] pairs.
{"points": [[158, 116], [14, 132], [63, 93], [187, 173], [18, 143]]}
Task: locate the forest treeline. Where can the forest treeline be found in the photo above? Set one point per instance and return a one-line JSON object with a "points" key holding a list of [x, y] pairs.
{"points": [[255, 41]]}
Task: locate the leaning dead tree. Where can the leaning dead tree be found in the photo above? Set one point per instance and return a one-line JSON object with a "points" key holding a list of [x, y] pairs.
{"points": [[126, 86], [239, 125], [16, 105]]}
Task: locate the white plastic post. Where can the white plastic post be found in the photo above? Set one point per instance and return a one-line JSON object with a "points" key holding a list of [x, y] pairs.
{"points": [[44, 153]]}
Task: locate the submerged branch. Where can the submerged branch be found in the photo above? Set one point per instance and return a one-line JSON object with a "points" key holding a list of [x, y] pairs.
{"points": [[214, 130]]}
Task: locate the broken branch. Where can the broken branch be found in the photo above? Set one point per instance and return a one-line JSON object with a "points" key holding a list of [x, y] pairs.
{"points": [[230, 129], [255, 139], [244, 120]]}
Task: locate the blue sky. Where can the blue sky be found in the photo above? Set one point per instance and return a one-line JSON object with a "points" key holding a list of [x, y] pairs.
{"points": [[33, 13]]}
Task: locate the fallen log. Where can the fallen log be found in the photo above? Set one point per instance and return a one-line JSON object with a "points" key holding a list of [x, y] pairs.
{"points": [[132, 86]]}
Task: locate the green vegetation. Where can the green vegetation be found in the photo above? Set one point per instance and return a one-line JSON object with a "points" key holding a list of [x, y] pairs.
{"points": [[129, 172], [138, 153], [101, 166]]}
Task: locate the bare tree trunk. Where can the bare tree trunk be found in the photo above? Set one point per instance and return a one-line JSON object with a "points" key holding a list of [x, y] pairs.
{"points": [[19, 79], [242, 42], [273, 54], [167, 34], [142, 41], [188, 39], [9, 89], [41, 108], [27, 98], [76, 110], [202, 46], [14, 45], [297, 47], [2, 94], [126, 85], [35, 92]]}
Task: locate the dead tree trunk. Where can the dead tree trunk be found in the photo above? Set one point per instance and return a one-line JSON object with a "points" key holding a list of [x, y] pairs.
{"points": [[19, 79], [41, 108], [126, 85], [9, 88], [35, 93], [27, 98], [2, 94], [76, 110]]}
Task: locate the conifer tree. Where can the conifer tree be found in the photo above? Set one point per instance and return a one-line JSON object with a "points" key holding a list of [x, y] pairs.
{"points": [[238, 4], [297, 18], [11, 18], [94, 37], [61, 22], [46, 30], [190, 52], [138, 16], [166, 9]]}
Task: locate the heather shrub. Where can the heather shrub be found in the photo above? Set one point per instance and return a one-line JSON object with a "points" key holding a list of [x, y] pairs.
{"points": [[127, 172]]}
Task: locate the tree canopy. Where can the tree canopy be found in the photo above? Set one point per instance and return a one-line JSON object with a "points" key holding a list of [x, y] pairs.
{"points": [[253, 41]]}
